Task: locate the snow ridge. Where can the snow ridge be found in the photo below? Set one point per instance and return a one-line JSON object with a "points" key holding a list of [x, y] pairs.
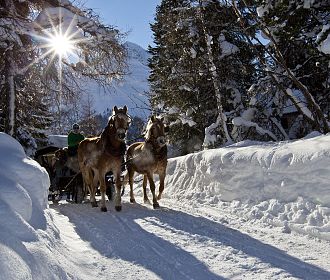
{"points": [[284, 184]]}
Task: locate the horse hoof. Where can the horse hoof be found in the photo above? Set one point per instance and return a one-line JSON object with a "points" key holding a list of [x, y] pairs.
{"points": [[94, 204], [132, 200], [104, 209], [118, 208], [155, 205]]}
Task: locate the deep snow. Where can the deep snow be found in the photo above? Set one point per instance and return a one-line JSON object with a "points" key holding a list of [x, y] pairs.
{"points": [[247, 211]]}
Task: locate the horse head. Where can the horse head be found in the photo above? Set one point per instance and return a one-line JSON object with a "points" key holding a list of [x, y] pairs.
{"points": [[120, 122], [155, 131]]}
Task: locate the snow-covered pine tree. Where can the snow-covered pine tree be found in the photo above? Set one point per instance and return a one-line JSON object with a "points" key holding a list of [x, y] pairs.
{"points": [[173, 76], [183, 83], [231, 68], [294, 64]]}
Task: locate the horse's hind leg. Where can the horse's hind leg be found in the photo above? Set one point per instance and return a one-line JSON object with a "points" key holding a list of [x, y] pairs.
{"points": [[131, 177], [152, 188], [93, 186], [103, 189], [144, 186]]}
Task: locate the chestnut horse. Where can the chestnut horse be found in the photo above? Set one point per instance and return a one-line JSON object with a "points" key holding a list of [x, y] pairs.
{"points": [[147, 158], [99, 155]]}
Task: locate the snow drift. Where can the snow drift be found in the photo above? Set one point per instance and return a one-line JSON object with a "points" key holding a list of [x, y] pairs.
{"points": [[286, 184], [23, 197]]}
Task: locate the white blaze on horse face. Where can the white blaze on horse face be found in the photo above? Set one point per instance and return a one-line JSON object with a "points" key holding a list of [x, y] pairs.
{"points": [[121, 131]]}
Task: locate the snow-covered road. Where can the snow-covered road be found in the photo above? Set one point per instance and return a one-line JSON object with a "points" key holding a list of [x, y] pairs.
{"points": [[248, 211], [181, 242]]}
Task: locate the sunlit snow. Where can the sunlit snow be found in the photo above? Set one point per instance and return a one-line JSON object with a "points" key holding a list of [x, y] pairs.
{"points": [[250, 210]]}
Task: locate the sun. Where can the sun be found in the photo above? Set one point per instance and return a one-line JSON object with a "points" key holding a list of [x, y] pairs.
{"points": [[60, 44]]}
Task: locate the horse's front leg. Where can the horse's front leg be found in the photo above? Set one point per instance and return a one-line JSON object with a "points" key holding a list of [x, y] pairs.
{"points": [[144, 186], [119, 184], [152, 188], [102, 190], [161, 183]]}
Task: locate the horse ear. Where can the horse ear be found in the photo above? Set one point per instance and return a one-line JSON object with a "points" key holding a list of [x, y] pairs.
{"points": [[115, 109], [110, 122], [153, 118], [125, 109]]}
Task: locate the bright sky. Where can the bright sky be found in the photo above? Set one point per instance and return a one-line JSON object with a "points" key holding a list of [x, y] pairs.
{"points": [[128, 15]]}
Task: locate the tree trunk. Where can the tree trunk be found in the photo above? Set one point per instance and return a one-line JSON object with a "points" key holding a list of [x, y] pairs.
{"points": [[9, 95], [221, 119]]}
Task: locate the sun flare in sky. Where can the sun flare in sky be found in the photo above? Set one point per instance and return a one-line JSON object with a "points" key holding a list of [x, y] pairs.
{"points": [[60, 44]]}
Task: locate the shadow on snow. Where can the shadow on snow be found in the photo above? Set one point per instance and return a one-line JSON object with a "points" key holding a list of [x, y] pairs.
{"points": [[118, 235]]}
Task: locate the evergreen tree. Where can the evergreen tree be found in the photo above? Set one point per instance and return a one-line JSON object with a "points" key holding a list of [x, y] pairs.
{"points": [[295, 70], [200, 63]]}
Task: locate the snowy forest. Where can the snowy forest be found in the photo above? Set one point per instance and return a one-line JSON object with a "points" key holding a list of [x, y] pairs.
{"points": [[220, 71], [226, 128], [241, 70]]}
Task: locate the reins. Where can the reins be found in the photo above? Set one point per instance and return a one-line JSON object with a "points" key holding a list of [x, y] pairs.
{"points": [[74, 177]]}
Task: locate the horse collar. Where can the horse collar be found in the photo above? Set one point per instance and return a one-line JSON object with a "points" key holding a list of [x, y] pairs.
{"points": [[158, 151]]}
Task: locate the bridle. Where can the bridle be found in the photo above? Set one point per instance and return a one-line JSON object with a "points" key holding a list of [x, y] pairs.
{"points": [[157, 142], [120, 131]]}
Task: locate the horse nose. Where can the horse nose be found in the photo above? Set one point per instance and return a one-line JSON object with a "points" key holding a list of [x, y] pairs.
{"points": [[161, 141], [121, 135]]}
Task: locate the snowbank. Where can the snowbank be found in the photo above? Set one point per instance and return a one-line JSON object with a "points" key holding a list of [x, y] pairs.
{"points": [[23, 197], [286, 184]]}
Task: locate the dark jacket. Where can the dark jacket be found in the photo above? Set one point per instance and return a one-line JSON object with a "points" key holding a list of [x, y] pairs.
{"points": [[74, 139]]}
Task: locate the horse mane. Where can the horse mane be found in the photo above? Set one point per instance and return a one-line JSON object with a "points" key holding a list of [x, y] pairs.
{"points": [[147, 133], [151, 121]]}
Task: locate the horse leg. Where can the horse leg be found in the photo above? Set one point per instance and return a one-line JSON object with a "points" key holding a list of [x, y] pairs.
{"points": [[102, 189], [88, 183], [152, 188], [118, 190], [144, 185], [131, 177], [161, 184]]}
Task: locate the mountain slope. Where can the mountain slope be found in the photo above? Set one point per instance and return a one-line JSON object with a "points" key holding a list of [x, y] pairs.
{"points": [[131, 90]]}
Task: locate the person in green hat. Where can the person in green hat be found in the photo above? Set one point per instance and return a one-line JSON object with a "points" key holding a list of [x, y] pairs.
{"points": [[74, 138]]}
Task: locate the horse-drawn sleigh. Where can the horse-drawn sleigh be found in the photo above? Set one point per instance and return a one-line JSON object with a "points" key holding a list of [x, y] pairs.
{"points": [[100, 160], [64, 175]]}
